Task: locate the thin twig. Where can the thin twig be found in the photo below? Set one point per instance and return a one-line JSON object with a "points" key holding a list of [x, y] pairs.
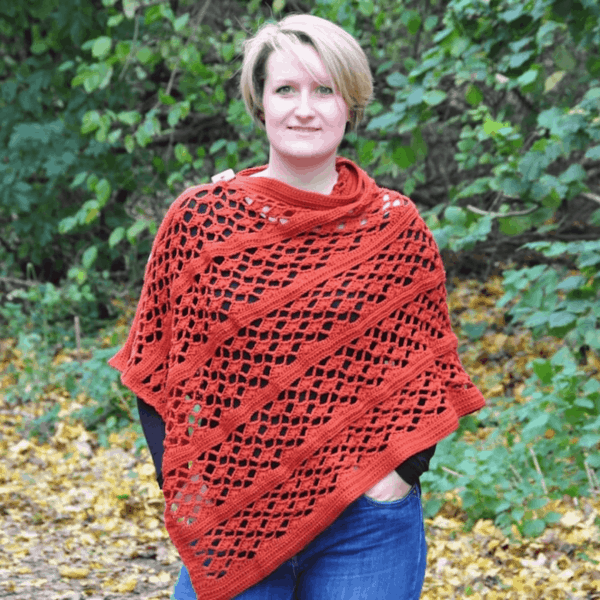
{"points": [[517, 475], [451, 472], [126, 407], [129, 58], [16, 281], [537, 468], [193, 27], [78, 340], [485, 213], [592, 478], [149, 4], [591, 196]]}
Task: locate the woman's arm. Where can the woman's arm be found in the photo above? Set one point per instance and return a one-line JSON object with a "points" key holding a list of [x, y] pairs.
{"points": [[414, 466], [154, 430]]}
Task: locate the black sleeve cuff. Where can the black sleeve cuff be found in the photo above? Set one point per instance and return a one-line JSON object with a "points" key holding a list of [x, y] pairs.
{"points": [[414, 466], [154, 431]]}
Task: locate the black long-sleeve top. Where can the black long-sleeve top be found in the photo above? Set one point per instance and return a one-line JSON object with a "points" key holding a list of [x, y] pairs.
{"points": [[154, 430]]}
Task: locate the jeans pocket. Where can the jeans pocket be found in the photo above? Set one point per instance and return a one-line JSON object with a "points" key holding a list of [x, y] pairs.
{"points": [[411, 492]]}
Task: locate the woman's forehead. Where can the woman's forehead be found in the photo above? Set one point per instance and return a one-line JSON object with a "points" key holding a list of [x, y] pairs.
{"points": [[287, 63]]}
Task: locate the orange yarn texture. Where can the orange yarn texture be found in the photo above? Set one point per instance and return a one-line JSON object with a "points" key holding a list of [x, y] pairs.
{"points": [[298, 347]]}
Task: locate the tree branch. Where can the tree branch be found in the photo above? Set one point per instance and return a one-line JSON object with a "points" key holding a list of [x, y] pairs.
{"points": [[129, 58], [494, 215], [591, 196]]}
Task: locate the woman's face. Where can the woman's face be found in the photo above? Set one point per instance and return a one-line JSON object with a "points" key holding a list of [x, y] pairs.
{"points": [[305, 120]]}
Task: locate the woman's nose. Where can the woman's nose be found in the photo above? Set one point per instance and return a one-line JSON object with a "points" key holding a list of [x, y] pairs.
{"points": [[304, 108]]}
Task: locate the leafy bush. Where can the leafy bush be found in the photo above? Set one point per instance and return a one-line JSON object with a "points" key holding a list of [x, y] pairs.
{"points": [[537, 452], [550, 300]]}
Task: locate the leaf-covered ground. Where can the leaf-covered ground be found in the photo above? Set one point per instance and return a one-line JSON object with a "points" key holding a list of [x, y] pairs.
{"points": [[79, 521]]}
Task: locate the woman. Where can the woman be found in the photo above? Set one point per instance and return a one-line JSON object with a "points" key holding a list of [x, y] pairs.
{"points": [[292, 351]]}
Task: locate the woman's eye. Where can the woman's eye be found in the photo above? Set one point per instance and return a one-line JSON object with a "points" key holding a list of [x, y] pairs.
{"points": [[284, 89], [325, 90]]}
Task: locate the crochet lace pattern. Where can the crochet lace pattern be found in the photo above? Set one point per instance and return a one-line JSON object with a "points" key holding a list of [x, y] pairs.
{"points": [[298, 347]]}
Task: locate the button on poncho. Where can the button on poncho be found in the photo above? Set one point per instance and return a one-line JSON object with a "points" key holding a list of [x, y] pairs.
{"points": [[298, 347]]}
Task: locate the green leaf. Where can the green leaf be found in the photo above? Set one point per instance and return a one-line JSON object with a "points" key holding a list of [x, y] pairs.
{"points": [[217, 145], [479, 186], [474, 331], [89, 256], [101, 46], [384, 121], [278, 5], [534, 528], [434, 97], [430, 23], [366, 7], [416, 96], [144, 54], [456, 216], [136, 229], [79, 179], [561, 319], [544, 371], [67, 224], [593, 153], [514, 225], [397, 80], [547, 118], [116, 236], [403, 156], [592, 94], [166, 98], [571, 283], [574, 173], [528, 77], [512, 14], [516, 60], [90, 121], [228, 52], [181, 22], [114, 20], [552, 81], [412, 20], [103, 192], [589, 439], [531, 165], [473, 95], [563, 59], [130, 117], [182, 154], [129, 143], [492, 127]]}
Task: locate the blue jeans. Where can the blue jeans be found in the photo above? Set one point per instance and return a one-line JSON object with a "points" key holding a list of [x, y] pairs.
{"points": [[373, 551]]}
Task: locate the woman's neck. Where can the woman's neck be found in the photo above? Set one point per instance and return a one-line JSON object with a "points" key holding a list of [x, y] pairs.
{"points": [[320, 179]]}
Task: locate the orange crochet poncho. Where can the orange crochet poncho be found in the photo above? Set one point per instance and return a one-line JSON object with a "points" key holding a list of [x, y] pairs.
{"points": [[298, 347]]}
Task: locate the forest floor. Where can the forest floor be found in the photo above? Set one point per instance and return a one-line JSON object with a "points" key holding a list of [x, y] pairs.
{"points": [[79, 521]]}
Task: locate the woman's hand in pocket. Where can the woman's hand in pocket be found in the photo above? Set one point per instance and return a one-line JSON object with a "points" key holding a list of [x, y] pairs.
{"points": [[391, 487]]}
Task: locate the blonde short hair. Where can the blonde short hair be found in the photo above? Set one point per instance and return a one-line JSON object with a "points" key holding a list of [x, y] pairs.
{"points": [[344, 60]]}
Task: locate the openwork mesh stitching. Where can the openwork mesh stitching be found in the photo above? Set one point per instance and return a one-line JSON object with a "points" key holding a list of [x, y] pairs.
{"points": [[295, 353]]}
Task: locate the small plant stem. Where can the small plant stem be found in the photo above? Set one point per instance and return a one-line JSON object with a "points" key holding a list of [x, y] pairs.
{"points": [[78, 339], [519, 478], [451, 472], [592, 478], [537, 468], [126, 408]]}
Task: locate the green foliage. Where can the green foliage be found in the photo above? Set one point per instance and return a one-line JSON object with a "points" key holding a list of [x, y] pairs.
{"points": [[548, 300], [110, 110], [499, 477], [560, 421]]}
